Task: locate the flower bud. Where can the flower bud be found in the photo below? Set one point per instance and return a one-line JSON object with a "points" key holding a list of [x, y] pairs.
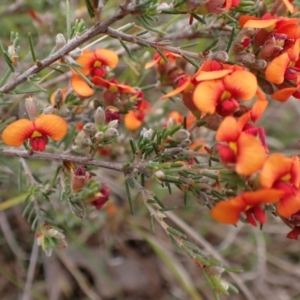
{"points": [[60, 41], [55, 233], [245, 58], [111, 133], [224, 284], [163, 6], [100, 198], [58, 97], [180, 135], [99, 136], [31, 107], [220, 56], [171, 122], [79, 178], [49, 110], [75, 53], [13, 54], [259, 64], [160, 175], [266, 86], [85, 143], [147, 133], [99, 116], [185, 143], [113, 124], [90, 129]]}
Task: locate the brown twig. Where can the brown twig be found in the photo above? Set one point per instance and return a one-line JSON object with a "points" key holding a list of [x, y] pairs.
{"points": [[62, 157], [153, 44]]}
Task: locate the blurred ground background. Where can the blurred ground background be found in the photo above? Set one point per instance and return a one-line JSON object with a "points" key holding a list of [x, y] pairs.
{"points": [[114, 256]]}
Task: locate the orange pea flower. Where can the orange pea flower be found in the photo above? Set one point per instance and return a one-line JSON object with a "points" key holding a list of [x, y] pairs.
{"points": [[159, 61], [179, 118], [133, 120], [222, 95], [286, 66], [267, 21], [113, 86], [36, 131], [228, 212], [273, 34], [114, 89], [209, 70], [283, 173], [244, 150], [93, 63]]}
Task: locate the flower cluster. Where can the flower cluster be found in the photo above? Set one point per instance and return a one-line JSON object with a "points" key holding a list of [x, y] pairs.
{"points": [[231, 97]]}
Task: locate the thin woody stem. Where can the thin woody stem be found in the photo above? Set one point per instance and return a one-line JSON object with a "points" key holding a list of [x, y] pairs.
{"points": [[62, 157], [153, 44], [71, 45]]}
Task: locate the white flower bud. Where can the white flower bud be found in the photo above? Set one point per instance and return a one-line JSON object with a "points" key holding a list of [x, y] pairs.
{"points": [[99, 136], [90, 129], [113, 124], [147, 133], [160, 175], [163, 6], [99, 116], [49, 110], [181, 135], [60, 41], [75, 53], [111, 133], [171, 122], [31, 107]]}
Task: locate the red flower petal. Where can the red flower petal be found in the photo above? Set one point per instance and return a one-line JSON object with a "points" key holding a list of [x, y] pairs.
{"points": [[294, 233]]}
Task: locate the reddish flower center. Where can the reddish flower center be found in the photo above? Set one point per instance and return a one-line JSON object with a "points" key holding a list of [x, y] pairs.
{"points": [[284, 186], [39, 143], [227, 154], [99, 72], [255, 213], [227, 107]]}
